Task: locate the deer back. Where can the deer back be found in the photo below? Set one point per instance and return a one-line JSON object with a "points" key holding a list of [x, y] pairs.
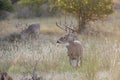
{"points": [[75, 49], [32, 29]]}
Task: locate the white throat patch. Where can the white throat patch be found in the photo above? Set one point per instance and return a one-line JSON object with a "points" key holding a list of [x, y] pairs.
{"points": [[67, 44], [76, 41]]}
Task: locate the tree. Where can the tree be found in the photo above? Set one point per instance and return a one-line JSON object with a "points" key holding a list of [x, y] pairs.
{"points": [[84, 10], [5, 5]]}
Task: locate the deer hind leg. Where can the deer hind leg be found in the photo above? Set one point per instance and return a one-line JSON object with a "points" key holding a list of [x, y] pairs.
{"points": [[73, 62]]}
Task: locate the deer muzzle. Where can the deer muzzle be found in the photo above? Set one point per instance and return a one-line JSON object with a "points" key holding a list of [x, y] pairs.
{"points": [[58, 41]]}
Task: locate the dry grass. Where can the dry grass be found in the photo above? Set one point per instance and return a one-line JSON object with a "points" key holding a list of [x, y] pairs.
{"points": [[101, 58]]}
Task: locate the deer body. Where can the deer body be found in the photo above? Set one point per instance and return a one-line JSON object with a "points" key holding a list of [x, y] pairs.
{"points": [[32, 30], [74, 52], [74, 47]]}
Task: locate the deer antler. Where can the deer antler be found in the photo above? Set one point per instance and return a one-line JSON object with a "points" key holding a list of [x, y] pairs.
{"points": [[59, 25], [65, 26]]}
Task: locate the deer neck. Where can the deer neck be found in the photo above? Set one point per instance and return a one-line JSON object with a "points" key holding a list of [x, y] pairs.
{"points": [[69, 43]]}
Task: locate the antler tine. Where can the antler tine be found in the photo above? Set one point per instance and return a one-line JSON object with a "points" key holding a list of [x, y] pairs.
{"points": [[71, 29], [70, 26], [66, 25], [59, 25], [65, 21], [71, 22]]}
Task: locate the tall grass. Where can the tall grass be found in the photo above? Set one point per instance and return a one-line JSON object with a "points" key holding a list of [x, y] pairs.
{"points": [[100, 56]]}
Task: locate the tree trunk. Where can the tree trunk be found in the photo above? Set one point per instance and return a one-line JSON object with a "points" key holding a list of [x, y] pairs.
{"points": [[81, 25]]}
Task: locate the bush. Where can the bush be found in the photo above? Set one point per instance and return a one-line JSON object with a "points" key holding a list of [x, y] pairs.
{"points": [[27, 10], [23, 12], [5, 7], [4, 14], [12, 37]]}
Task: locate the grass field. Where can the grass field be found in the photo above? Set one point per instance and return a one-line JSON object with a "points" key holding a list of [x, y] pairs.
{"points": [[101, 60]]}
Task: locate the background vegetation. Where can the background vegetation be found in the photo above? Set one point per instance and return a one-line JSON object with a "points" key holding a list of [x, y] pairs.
{"points": [[85, 10]]}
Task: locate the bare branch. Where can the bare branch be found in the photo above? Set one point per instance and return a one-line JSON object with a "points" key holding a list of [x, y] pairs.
{"points": [[71, 22]]}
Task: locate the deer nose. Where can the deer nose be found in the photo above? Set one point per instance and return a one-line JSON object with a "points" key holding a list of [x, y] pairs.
{"points": [[58, 41]]}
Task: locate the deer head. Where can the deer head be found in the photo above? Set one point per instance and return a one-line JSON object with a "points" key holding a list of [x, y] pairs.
{"points": [[70, 32]]}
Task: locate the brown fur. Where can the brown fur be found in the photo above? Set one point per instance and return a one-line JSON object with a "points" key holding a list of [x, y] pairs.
{"points": [[75, 52], [75, 49], [32, 29]]}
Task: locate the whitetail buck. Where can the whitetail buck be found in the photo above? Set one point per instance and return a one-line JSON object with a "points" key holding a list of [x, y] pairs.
{"points": [[74, 47], [31, 30]]}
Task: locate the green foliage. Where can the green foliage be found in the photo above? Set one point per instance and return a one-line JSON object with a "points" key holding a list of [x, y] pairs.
{"points": [[6, 5], [85, 10], [31, 2]]}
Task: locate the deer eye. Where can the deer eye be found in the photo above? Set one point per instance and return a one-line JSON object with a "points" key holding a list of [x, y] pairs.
{"points": [[64, 37], [61, 38]]}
